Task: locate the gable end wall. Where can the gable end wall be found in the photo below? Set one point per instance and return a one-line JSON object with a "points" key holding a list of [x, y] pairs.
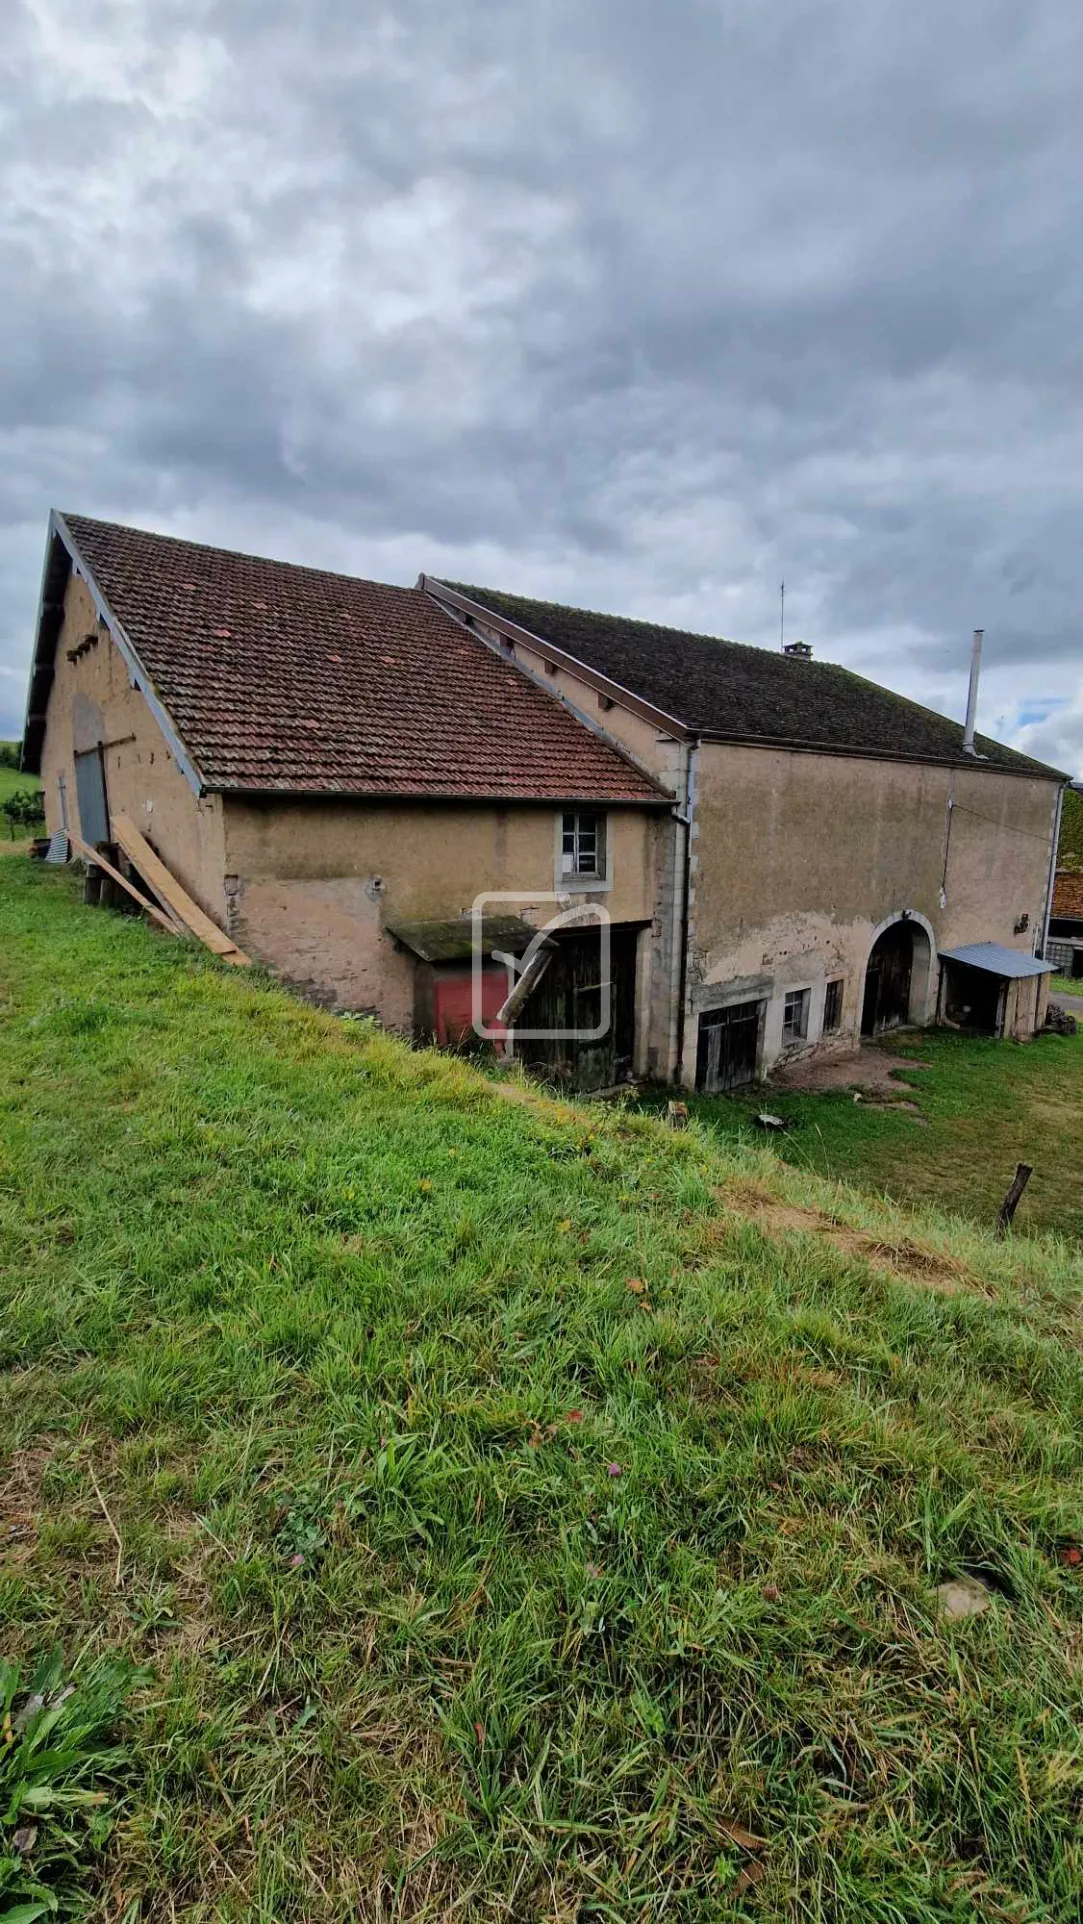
{"points": [[92, 702]]}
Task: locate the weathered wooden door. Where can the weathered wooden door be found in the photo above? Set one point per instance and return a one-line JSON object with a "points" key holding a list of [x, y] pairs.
{"points": [[90, 794], [727, 1047], [568, 1004], [887, 980]]}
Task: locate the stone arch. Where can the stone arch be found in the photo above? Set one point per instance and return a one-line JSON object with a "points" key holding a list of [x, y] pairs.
{"points": [[900, 973]]}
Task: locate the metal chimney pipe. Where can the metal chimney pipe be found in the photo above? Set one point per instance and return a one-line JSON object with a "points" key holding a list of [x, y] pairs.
{"points": [[972, 693]]}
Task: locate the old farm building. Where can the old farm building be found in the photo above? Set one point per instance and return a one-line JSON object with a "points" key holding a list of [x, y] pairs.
{"points": [[1065, 945], [789, 856]]}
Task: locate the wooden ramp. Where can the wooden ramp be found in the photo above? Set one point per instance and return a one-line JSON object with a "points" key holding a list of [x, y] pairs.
{"points": [[94, 858], [176, 900]]}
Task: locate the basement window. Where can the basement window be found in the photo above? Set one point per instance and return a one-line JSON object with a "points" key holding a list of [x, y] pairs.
{"points": [[795, 1016], [582, 845], [833, 1006]]}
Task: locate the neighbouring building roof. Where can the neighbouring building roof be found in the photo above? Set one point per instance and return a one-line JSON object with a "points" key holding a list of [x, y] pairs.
{"points": [[729, 691], [997, 960], [279, 678], [1068, 895]]}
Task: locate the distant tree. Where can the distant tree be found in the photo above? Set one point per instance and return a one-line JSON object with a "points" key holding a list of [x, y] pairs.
{"points": [[22, 810], [10, 754], [1070, 853]]}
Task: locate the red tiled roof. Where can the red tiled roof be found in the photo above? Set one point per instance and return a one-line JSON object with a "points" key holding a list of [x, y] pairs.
{"points": [[1068, 894], [277, 677]]}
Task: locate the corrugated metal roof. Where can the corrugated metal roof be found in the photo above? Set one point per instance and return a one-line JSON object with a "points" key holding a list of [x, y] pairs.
{"points": [[997, 960]]}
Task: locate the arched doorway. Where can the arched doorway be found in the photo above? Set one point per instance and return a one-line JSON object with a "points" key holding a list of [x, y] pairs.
{"points": [[897, 976]]}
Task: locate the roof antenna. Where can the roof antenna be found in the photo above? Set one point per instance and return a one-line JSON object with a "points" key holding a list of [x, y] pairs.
{"points": [[782, 619], [972, 693]]}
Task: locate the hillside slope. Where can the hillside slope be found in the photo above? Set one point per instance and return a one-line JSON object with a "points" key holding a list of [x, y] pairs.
{"points": [[526, 1512]]}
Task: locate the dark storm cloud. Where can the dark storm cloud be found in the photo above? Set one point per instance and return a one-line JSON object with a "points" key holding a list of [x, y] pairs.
{"points": [[640, 306]]}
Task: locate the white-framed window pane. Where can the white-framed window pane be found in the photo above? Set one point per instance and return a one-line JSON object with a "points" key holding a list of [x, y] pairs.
{"points": [[795, 1015], [582, 844]]}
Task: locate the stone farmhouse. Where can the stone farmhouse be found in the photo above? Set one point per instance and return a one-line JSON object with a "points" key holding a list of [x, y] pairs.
{"points": [[347, 775]]}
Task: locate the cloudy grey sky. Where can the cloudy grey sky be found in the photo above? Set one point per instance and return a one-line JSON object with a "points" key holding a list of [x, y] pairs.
{"points": [[633, 305]]}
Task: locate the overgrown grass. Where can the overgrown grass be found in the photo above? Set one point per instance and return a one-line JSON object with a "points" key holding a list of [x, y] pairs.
{"points": [[1066, 985], [61, 1771], [982, 1107], [517, 1525]]}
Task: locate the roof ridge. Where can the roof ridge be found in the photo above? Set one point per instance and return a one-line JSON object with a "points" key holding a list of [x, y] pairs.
{"points": [[801, 666], [601, 614], [368, 698], [576, 628], [234, 554]]}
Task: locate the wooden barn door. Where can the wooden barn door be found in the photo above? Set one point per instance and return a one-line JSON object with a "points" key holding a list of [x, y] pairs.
{"points": [[887, 980], [569, 999], [727, 1047]]}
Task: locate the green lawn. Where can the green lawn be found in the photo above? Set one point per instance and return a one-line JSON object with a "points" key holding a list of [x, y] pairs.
{"points": [[983, 1106], [516, 1511]]}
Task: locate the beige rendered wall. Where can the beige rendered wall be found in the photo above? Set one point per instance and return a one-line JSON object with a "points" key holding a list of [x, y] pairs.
{"points": [[92, 702], [799, 860], [312, 887], [665, 757]]}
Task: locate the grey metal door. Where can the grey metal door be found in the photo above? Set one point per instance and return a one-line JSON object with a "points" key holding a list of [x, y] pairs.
{"points": [[90, 792]]}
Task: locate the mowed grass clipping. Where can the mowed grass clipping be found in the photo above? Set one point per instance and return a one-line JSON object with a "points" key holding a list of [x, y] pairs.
{"points": [[523, 1512]]}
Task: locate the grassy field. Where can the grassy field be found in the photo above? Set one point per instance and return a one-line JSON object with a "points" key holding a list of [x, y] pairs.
{"points": [[511, 1511], [982, 1107], [10, 780]]}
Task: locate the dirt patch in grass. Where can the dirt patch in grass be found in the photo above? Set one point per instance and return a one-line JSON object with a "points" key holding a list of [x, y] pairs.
{"points": [[20, 1501], [901, 1259], [68, 1526], [869, 1069]]}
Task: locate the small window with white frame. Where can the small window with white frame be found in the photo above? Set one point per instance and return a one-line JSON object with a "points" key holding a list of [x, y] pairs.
{"points": [[833, 1006], [795, 1016], [582, 845]]}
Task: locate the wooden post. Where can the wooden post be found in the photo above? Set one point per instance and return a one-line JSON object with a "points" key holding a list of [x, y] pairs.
{"points": [[1023, 1173], [108, 893]]}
